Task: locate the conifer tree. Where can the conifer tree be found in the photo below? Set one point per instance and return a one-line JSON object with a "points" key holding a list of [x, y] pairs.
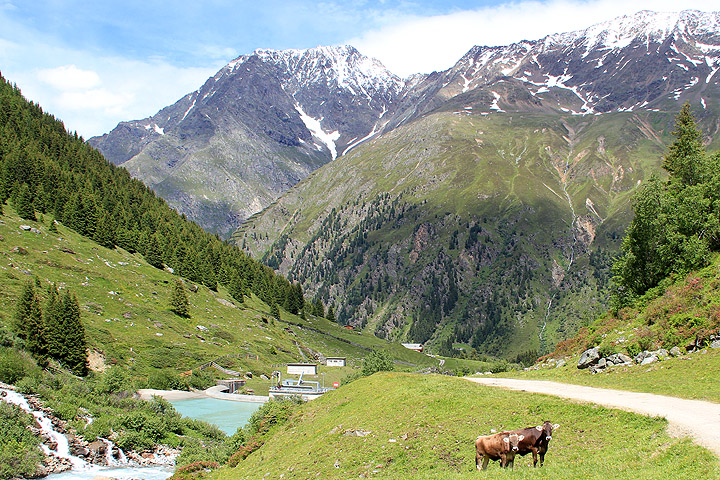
{"points": [[73, 336], [318, 308], [275, 311], [54, 322], [65, 332], [29, 323], [24, 205], [179, 302], [153, 255], [104, 231], [331, 314], [685, 160], [676, 225]]}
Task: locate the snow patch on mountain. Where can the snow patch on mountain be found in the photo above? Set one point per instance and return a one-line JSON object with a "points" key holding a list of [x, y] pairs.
{"points": [[313, 124]]}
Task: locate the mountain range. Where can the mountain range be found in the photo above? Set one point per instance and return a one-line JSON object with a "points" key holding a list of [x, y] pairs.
{"points": [[479, 206]]}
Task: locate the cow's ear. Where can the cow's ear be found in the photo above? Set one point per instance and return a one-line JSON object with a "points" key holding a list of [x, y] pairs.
{"points": [[520, 438], [556, 426], [506, 439], [539, 428]]}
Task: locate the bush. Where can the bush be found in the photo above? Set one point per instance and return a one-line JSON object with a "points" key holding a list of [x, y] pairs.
{"points": [[607, 350], [132, 440], [377, 361], [164, 380], [12, 366], [20, 453], [115, 380], [201, 379]]}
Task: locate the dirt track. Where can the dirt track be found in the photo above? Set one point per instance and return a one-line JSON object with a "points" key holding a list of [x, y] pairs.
{"points": [[697, 419]]}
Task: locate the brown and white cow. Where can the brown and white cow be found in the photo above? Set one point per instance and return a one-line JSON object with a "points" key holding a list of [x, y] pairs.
{"points": [[536, 440], [499, 446]]}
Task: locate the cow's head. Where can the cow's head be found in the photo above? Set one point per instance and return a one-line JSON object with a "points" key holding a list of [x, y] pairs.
{"points": [[547, 429], [512, 441]]}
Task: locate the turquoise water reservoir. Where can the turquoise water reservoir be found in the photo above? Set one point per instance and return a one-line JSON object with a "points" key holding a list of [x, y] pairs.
{"points": [[228, 415]]}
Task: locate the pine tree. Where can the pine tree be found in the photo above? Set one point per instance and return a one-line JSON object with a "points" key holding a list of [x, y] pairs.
{"points": [[24, 205], [676, 225], [54, 323], [179, 302], [29, 323], [331, 314], [104, 231], [65, 332], [153, 255], [686, 159], [73, 333], [318, 308], [275, 311]]}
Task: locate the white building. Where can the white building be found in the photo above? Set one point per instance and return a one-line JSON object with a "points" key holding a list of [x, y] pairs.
{"points": [[302, 368], [335, 362]]}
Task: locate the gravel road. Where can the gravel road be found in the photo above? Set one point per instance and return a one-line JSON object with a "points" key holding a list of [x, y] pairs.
{"points": [[697, 419]]}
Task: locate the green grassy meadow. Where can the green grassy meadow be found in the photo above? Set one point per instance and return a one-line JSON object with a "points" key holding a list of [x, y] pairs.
{"points": [[425, 427]]}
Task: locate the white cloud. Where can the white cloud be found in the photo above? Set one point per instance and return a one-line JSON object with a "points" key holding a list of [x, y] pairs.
{"points": [[69, 77], [415, 44]]}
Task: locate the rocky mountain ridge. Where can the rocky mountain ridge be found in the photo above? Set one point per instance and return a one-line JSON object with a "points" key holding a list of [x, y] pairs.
{"points": [[254, 129], [268, 119]]}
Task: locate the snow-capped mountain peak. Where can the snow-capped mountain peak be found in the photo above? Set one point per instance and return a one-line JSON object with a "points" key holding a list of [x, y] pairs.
{"points": [[340, 67]]}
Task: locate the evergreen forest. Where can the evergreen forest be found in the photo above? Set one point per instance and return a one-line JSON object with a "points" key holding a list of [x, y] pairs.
{"points": [[44, 170]]}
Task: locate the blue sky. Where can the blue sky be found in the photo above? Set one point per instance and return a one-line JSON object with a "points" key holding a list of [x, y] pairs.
{"points": [[95, 63]]}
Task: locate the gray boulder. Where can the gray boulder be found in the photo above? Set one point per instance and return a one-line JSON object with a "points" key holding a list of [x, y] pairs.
{"points": [[589, 357], [652, 358], [675, 351], [619, 359], [715, 344]]}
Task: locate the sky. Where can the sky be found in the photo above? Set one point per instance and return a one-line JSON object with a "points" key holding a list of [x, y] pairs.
{"points": [[94, 63]]}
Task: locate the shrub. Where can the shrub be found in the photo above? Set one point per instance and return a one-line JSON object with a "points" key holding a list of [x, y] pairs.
{"points": [[20, 452], [113, 381], [201, 379], [607, 350], [377, 361], [164, 380], [132, 440], [275, 412], [12, 366]]}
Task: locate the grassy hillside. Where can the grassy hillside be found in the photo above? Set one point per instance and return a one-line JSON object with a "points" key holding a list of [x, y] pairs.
{"points": [[425, 426], [494, 231]]}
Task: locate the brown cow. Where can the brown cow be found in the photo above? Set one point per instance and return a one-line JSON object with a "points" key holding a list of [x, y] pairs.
{"points": [[499, 446], [536, 440]]}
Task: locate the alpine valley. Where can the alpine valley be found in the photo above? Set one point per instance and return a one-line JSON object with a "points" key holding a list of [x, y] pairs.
{"points": [[476, 207]]}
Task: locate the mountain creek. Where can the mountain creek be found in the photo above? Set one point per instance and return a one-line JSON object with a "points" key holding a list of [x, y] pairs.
{"points": [[69, 456]]}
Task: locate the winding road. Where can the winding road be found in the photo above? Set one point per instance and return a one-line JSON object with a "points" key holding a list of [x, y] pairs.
{"points": [[694, 418]]}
